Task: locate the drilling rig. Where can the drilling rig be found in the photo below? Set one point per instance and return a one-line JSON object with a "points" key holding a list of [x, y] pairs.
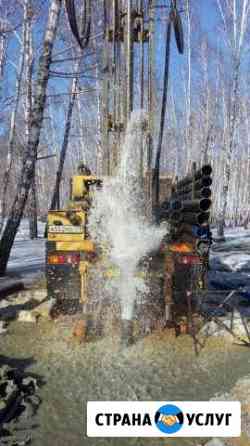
{"points": [[128, 59]]}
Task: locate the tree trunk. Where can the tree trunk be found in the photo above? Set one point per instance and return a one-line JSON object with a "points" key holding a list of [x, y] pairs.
{"points": [[237, 37], [99, 148], [36, 125], [12, 132], [32, 205], [230, 148], [33, 228], [55, 202], [2, 54], [3, 49]]}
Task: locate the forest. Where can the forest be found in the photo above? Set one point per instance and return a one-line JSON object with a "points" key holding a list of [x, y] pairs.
{"points": [[52, 108], [124, 221]]}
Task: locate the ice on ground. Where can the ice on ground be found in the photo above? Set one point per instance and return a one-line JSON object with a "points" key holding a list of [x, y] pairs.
{"points": [[240, 392], [230, 261], [27, 257], [237, 262]]}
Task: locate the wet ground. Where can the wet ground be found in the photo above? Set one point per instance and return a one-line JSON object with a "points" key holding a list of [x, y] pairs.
{"points": [[159, 367]]}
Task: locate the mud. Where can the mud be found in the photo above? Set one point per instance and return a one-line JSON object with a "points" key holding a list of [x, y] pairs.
{"points": [[158, 367]]}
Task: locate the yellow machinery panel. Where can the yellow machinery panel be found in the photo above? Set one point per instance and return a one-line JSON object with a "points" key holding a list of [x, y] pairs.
{"points": [[61, 228], [66, 237], [79, 185], [62, 217], [85, 245]]}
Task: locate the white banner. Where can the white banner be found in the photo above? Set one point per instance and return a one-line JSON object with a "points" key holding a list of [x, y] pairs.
{"points": [[163, 419]]}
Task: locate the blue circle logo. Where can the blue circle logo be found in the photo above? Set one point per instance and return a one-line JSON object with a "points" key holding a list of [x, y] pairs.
{"points": [[169, 419]]}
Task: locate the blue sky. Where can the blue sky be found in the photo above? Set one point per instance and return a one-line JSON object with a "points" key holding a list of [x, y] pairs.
{"points": [[207, 13]]}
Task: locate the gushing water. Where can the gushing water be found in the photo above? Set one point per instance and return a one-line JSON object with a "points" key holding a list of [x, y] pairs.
{"points": [[117, 220]]}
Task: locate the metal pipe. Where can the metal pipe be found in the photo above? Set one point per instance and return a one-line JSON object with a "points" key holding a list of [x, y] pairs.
{"points": [[142, 88], [150, 88], [172, 204], [195, 219], [205, 171], [142, 56], [196, 205], [175, 216], [113, 69], [205, 192], [205, 181], [130, 59]]}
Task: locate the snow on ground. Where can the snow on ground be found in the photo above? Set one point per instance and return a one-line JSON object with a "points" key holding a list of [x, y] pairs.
{"points": [[230, 260], [230, 269], [27, 256]]}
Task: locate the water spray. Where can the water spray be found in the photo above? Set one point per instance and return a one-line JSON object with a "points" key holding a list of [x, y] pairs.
{"points": [[118, 221]]}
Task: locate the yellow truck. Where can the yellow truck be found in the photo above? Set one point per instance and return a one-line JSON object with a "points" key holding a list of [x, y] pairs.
{"points": [[69, 251]]}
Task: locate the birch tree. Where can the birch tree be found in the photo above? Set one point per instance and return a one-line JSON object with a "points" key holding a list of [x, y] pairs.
{"points": [[30, 154], [28, 110], [55, 202], [188, 90], [13, 119], [2, 51], [235, 35]]}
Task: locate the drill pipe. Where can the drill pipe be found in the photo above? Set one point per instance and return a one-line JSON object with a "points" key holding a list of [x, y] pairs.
{"points": [[176, 208], [195, 219], [196, 205], [205, 192], [174, 216], [174, 205], [205, 181], [204, 171]]}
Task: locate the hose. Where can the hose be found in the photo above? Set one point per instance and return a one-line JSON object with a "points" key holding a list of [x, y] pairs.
{"points": [[174, 18], [156, 178], [81, 35]]}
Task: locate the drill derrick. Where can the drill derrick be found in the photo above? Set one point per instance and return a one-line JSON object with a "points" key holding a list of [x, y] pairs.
{"points": [[126, 33]]}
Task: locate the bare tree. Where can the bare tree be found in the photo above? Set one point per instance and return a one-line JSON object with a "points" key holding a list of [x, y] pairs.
{"points": [[32, 204], [55, 201], [30, 155], [13, 119], [2, 51], [235, 40]]}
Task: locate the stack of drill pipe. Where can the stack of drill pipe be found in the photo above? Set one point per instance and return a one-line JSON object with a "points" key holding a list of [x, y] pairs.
{"points": [[190, 201], [200, 192], [205, 171], [170, 210]]}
